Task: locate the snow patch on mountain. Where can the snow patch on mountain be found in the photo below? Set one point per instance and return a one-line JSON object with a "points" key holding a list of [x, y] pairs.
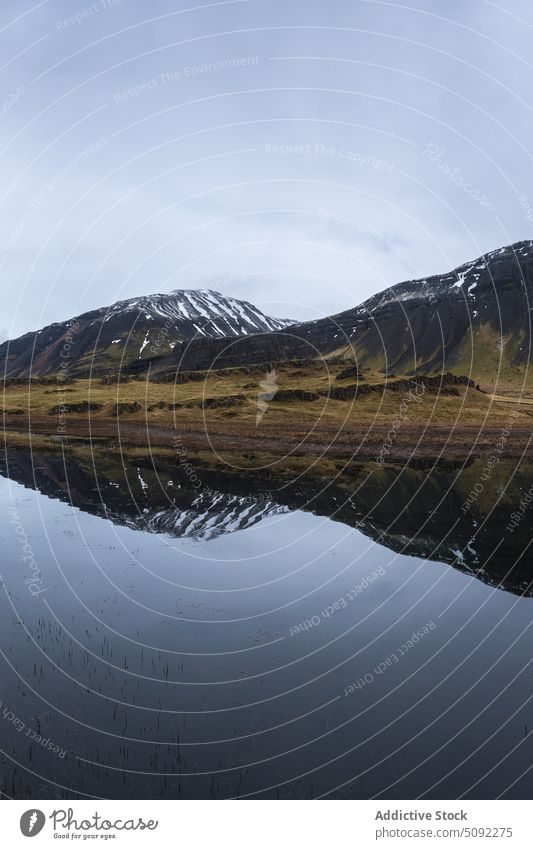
{"points": [[459, 282], [210, 313]]}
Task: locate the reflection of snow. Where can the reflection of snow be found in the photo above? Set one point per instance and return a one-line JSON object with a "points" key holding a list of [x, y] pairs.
{"points": [[213, 515]]}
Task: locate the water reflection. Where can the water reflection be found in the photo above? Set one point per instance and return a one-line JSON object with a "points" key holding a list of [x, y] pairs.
{"points": [[252, 638], [424, 512]]}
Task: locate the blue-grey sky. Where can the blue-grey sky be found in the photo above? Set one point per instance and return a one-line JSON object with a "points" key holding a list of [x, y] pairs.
{"points": [[302, 155]]}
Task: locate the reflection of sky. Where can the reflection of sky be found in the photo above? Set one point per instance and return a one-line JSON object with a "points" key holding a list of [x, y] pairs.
{"points": [[145, 148], [141, 642]]}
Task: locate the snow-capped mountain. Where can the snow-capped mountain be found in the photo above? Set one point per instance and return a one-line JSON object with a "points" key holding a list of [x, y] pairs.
{"points": [[138, 329], [461, 282], [209, 312], [474, 320]]}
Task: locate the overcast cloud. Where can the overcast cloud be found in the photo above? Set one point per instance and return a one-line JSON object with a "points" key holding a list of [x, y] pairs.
{"points": [[301, 155]]}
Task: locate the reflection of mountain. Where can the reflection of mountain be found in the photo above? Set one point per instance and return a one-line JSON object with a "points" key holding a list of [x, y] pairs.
{"points": [[210, 514], [139, 497], [411, 511]]}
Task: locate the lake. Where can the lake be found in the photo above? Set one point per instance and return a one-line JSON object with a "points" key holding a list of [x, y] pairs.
{"points": [[365, 637]]}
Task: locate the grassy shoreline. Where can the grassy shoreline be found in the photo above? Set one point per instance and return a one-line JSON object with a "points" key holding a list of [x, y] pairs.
{"points": [[290, 418]]}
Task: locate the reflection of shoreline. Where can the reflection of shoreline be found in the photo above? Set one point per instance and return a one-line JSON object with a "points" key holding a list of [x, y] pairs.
{"points": [[412, 511]]}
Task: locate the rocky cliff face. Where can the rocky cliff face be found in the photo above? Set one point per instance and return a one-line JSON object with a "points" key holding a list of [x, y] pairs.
{"points": [[131, 333]]}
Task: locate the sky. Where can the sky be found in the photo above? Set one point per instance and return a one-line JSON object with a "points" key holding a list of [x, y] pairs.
{"points": [[300, 155]]}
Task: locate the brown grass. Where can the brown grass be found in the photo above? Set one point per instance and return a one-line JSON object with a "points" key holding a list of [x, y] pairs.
{"points": [[288, 431]]}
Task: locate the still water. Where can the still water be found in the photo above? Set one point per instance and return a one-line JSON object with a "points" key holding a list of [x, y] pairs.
{"points": [[362, 639]]}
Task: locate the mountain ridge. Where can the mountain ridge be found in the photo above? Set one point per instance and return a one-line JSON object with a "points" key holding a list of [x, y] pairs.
{"points": [[474, 319]]}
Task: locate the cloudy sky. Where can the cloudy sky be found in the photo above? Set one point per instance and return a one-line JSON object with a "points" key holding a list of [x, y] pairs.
{"points": [[302, 155]]}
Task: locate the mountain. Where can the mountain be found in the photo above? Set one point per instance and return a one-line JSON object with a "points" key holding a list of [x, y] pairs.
{"points": [[130, 331], [473, 320]]}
